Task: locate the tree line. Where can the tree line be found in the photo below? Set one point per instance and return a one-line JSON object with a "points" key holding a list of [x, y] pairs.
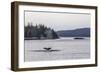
{"points": [[39, 32]]}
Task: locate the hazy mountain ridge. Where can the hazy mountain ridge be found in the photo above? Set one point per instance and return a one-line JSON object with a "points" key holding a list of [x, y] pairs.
{"points": [[81, 32]]}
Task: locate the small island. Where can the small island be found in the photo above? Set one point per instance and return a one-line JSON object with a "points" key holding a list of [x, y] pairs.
{"points": [[79, 38]]}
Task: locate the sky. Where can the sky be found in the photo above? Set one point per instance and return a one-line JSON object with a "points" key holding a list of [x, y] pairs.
{"points": [[58, 21]]}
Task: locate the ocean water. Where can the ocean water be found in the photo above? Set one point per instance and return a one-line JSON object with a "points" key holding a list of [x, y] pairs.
{"points": [[61, 49]]}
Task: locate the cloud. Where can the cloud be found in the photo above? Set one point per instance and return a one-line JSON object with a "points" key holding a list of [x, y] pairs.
{"points": [[58, 21]]}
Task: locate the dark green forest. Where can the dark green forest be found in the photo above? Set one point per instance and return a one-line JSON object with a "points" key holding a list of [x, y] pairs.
{"points": [[39, 32]]}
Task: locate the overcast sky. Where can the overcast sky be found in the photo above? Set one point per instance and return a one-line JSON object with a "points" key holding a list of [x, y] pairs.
{"points": [[58, 21]]}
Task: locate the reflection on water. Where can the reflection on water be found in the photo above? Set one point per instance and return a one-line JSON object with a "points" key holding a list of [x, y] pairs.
{"points": [[61, 49], [44, 50]]}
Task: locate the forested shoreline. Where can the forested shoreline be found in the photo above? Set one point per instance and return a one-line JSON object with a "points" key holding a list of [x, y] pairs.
{"points": [[39, 31]]}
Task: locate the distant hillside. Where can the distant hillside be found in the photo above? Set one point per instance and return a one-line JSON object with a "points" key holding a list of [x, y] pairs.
{"points": [[81, 32]]}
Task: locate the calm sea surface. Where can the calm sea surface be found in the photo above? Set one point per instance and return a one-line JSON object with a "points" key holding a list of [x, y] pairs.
{"points": [[61, 49]]}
